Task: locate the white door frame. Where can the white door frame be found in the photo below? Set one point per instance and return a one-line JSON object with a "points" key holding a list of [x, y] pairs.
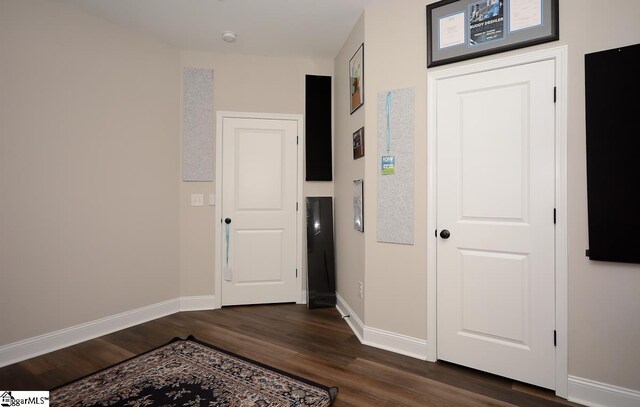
{"points": [[220, 116], [559, 55]]}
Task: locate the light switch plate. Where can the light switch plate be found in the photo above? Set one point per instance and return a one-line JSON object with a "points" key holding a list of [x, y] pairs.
{"points": [[212, 199], [197, 199]]}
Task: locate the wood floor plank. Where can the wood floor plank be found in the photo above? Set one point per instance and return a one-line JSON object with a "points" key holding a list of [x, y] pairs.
{"points": [[315, 344], [383, 390], [432, 388]]}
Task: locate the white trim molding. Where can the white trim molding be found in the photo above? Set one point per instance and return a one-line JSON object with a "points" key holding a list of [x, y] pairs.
{"points": [[559, 56], [198, 303], [52, 341], [596, 394], [351, 317], [39, 345], [381, 339], [397, 343]]}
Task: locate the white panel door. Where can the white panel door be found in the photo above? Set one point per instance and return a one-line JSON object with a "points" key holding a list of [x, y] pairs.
{"points": [[496, 180], [259, 199]]}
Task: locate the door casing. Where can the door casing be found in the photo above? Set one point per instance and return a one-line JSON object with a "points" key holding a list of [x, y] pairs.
{"points": [[559, 56], [220, 116]]}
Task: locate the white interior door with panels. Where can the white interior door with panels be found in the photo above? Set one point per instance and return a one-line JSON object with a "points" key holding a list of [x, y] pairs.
{"points": [[495, 221], [259, 231]]}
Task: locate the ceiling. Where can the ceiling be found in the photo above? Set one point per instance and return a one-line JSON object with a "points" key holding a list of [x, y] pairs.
{"points": [[305, 28]]}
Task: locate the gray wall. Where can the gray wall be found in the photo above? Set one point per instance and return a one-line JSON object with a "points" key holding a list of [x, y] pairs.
{"points": [[350, 253], [89, 125]]}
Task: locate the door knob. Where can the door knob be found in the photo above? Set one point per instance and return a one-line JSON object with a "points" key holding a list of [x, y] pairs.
{"points": [[227, 221], [445, 234]]}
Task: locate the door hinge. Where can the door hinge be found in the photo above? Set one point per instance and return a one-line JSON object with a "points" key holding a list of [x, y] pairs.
{"points": [[296, 273], [554, 216], [297, 139], [555, 338], [296, 207], [554, 94]]}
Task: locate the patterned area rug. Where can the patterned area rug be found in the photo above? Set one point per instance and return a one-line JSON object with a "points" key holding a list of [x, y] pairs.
{"points": [[192, 373]]}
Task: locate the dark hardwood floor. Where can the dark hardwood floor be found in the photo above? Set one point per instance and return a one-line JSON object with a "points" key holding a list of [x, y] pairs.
{"points": [[316, 344]]}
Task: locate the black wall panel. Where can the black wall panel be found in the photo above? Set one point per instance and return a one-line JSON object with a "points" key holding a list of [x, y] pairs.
{"points": [[613, 153], [318, 128]]}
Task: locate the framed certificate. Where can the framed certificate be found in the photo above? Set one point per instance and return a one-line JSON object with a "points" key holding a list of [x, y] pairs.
{"points": [[463, 29]]}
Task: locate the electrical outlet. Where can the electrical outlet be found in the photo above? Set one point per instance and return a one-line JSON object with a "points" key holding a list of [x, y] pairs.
{"points": [[361, 287]]}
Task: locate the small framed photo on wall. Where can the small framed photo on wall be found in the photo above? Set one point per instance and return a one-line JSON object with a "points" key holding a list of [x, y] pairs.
{"points": [[358, 143], [356, 79]]}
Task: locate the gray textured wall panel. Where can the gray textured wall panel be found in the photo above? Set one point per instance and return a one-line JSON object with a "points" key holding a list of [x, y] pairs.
{"points": [[396, 191], [197, 125]]}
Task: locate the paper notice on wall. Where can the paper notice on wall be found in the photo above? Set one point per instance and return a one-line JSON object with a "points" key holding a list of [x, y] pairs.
{"points": [[451, 30], [524, 14]]}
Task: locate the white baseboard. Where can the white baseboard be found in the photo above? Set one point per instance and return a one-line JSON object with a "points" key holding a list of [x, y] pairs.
{"points": [[391, 341], [378, 338], [596, 394], [352, 320], [197, 303], [39, 345], [303, 298]]}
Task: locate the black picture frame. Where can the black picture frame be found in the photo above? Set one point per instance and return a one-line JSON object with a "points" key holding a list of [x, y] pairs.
{"points": [[358, 143], [476, 28]]}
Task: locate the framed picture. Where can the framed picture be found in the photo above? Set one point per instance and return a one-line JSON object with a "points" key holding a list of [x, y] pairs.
{"points": [[358, 143], [358, 206], [356, 79], [463, 29]]}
